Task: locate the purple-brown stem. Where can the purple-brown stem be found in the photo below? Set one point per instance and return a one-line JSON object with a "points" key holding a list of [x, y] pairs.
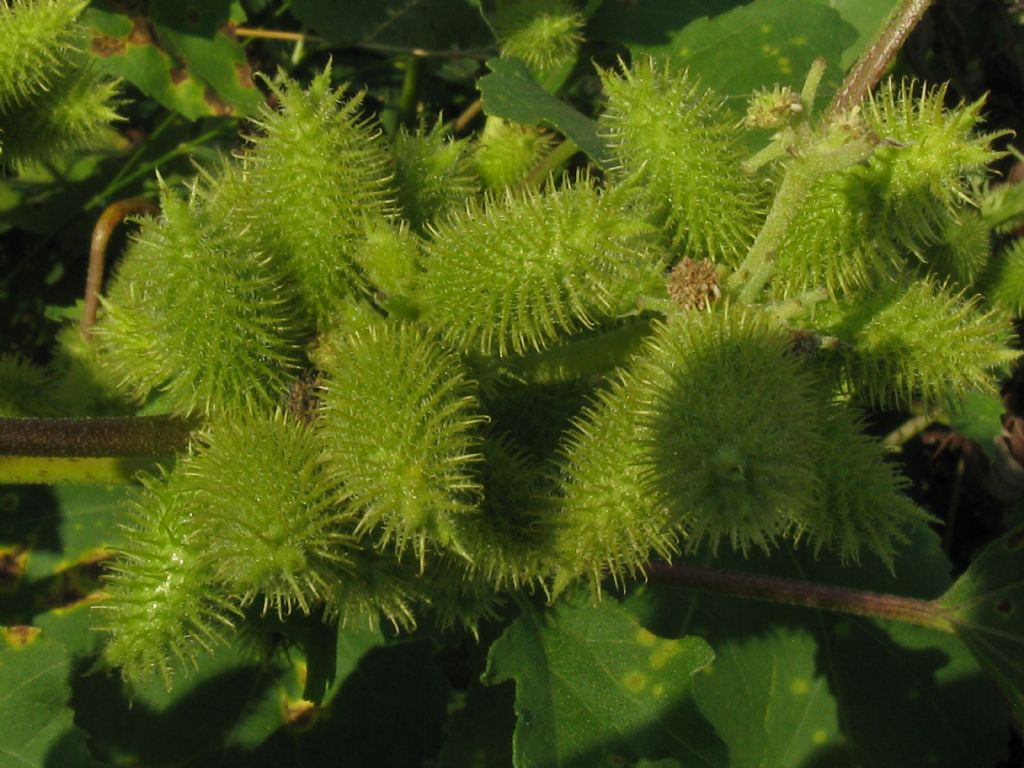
{"points": [[112, 215], [774, 589]]}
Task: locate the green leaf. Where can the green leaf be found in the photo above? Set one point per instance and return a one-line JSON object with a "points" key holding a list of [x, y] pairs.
{"points": [[480, 733], [767, 701], [986, 605], [593, 687], [978, 416], [183, 55], [739, 50], [433, 24], [814, 687], [867, 17], [512, 93], [36, 724]]}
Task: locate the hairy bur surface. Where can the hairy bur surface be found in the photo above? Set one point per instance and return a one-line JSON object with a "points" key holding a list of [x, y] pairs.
{"points": [[316, 177], [399, 425], [271, 528], [193, 313], [162, 609], [51, 98], [526, 270], [676, 144]]}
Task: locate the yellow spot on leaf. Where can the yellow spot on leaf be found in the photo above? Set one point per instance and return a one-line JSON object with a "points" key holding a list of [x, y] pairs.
{"points": [[645, 638], [785, 65], [799, 687], [766, 28], [658, 690], [663, 654], [19, 636], [634, 682], [820, 737], [799, 40]]}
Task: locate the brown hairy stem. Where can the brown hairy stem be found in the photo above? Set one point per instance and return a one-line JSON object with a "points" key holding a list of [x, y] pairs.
{"points": [[773, 589], [112, 215], [94, 437], [872, 63]]}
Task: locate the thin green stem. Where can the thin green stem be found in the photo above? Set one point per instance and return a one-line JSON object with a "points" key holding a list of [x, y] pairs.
{"points": [[578, 359], [95, 470], [549, 163], [773, 589], [182, 149]]}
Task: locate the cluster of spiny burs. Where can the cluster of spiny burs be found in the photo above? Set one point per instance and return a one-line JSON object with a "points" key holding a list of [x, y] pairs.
{"points": [[421, 390]]}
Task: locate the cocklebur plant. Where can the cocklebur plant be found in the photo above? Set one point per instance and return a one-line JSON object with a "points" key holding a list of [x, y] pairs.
{"points": [[51, 97], [402, 487]]}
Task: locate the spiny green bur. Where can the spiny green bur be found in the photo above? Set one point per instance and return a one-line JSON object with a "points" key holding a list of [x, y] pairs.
{"points": [[316, 177], [732, 427], [544, 33], [919, 340], [605, 522], [51, 98], [525, 270], [23, 387], [266, 513], [162, 609], [238, 353], [399, 427], [674, 141], [506, 152], [433, 174]]}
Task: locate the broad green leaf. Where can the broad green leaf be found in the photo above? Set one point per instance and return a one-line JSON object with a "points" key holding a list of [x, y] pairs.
{"points": [[878, 693], [987, 606], [512, 93], [593, 687], [480, 733], [767, 701], [36, 724], [53, 542], [245, 707], [431, 24], [979, 418], [183, 55], [740, 49], [867, 17]]}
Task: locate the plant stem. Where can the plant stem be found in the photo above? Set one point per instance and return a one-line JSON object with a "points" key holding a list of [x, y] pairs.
{"points": [[873, 62], [96, 437], [112, 215], [923, 613], [95, 470], [551, 161]]}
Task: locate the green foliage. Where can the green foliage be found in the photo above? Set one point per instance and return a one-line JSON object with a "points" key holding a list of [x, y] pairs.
{"points": [[450, 386], [581, 655]]}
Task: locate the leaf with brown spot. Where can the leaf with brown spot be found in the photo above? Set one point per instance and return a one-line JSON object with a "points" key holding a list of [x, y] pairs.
{"points": [[183, 55]]}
